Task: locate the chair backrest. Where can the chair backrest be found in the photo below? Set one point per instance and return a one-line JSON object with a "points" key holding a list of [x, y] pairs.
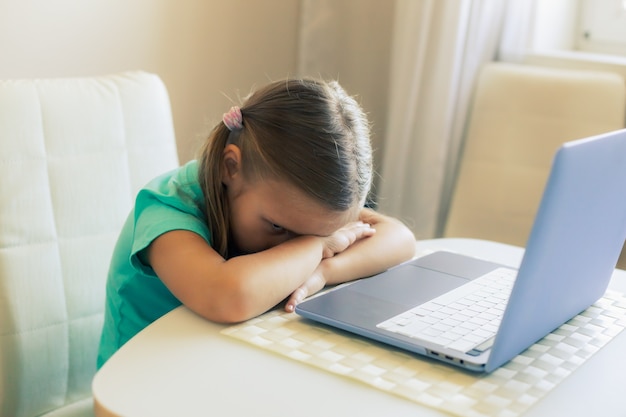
{"points": [[73, 153], [520, 116]]}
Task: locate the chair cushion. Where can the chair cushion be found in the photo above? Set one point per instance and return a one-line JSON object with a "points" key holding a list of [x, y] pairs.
{"points": [[73, 153], [521, 114]]}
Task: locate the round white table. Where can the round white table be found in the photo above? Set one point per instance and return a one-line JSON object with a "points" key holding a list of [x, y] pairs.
{"points": [[182, 366]]}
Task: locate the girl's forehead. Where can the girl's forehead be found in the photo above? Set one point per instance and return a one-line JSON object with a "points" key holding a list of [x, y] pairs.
{"points": [[300, 213]]}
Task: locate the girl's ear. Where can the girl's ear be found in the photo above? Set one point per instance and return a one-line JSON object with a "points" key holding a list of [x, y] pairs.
{"points": [[231, 160]]}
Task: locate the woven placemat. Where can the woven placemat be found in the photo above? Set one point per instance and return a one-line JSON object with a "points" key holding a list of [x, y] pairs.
{"points": [[506, 392]]}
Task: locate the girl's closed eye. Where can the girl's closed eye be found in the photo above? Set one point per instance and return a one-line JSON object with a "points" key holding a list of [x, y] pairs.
{"points": [[277, 228]]}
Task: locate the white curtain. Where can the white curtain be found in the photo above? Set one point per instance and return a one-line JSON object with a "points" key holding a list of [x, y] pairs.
{"points": [[437, 51], [517, 32], [439, 47]]}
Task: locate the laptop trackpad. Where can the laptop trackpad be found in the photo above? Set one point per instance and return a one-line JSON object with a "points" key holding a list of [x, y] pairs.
{"points": [[407, 285], [367, 302]]}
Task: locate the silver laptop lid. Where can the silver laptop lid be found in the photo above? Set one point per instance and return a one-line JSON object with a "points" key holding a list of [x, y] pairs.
{"points": [[574, 244]]}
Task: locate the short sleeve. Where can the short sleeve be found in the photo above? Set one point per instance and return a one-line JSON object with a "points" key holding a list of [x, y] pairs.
{"points": [[172, 201]]}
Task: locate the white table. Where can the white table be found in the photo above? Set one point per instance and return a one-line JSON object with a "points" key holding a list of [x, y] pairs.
{"points": [[182, 366]]}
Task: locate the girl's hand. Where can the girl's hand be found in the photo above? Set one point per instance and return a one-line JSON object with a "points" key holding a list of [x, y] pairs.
{"points": [[344, 237], [339, 241], [309, 287]]}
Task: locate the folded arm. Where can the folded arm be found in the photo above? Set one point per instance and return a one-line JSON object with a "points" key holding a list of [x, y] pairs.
{"points": [[243, 286], [392, 244]]}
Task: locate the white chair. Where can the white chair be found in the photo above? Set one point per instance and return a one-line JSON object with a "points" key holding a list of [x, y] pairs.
{"points": [[520, 116], [73, 153]]}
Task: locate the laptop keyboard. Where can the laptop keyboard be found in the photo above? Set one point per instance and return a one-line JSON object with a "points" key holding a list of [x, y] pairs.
{"points": [[465, 319]]}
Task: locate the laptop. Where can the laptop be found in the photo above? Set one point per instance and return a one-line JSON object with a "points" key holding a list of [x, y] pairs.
{"points": [[432, 304]]}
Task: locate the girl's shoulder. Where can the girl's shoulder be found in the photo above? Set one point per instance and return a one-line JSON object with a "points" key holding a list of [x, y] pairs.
{"points": [[177, 187], [188, 173], [185, 176]]}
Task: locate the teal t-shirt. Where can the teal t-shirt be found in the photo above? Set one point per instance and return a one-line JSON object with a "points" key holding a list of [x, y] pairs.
{"points": [[135, 296]]}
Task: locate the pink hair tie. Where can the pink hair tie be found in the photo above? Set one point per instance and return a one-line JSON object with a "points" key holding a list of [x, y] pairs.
{"points": [[233, 119]]}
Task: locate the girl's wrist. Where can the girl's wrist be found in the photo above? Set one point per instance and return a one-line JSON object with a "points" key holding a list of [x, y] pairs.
{"points": [[324, 270], [315, 244]]}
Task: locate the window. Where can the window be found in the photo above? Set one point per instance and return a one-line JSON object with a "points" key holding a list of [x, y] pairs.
{"points": [[588, 26], [601, 26]]}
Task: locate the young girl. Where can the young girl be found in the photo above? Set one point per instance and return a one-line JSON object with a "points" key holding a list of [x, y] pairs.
{"points": [[271, 211]]}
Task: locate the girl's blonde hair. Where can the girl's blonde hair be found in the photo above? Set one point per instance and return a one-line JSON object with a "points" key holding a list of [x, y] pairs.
{"points": [[308, 132]]}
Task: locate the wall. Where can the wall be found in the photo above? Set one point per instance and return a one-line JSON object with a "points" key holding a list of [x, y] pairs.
{"points": [[350, 40], [202, 49]]}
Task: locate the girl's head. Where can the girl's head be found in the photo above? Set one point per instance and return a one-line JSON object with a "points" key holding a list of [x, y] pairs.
{"points": [[307, 135]]}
